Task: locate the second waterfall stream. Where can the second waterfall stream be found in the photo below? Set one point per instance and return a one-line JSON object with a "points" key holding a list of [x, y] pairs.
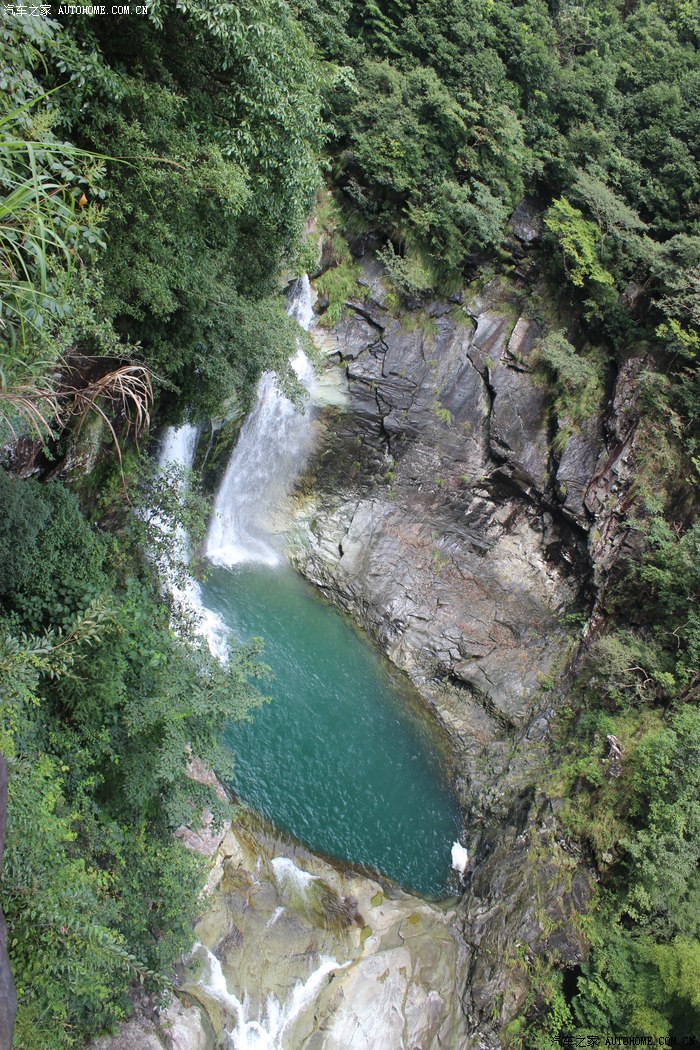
{"points": [[272, 447]]}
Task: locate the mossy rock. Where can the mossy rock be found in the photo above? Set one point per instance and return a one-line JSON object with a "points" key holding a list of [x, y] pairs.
{"points": [[214, 450]]}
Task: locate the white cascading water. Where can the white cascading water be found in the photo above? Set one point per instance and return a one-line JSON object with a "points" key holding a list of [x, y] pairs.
{"points": [[274, 917], [179, 446], [267, 1032], [288, 875], [272, 447]]}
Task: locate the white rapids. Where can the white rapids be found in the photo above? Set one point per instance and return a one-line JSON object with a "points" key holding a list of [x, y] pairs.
{"points": [[460, 858], [267, 1031]]}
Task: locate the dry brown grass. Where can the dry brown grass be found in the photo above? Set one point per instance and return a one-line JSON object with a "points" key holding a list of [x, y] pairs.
{"points": [[126, 392], [122, 397], [35, 406]]}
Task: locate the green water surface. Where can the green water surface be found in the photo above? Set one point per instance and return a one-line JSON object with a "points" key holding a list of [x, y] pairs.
{"points": [[339, 758]]}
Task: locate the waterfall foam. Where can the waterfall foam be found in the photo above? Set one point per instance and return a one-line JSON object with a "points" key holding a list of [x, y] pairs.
{"points": [[288, 875], [272, 447], [460, 858], [178, 449], [300, 306], [179, 446], [268, 1030]]}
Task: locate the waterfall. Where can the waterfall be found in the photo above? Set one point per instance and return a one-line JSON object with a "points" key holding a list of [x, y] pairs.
{"points": [[266, 1032], [272, 447], [179, 447]]}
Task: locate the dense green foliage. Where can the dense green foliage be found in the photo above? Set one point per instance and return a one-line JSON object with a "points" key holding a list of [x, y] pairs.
{"points": [[452, 109], [152, 182], [228, 103], [218, 116], [638, 816], [102, 705]]}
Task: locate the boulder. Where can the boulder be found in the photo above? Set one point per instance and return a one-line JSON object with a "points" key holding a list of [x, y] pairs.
{"points": [[576, 467], [526, 221], [174, 1026]]}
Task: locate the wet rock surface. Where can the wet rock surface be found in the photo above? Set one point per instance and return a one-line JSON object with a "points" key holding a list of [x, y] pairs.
{"points": [[526, 221], [295, 953], [322, 958], [523, 902], [172, 1026]]}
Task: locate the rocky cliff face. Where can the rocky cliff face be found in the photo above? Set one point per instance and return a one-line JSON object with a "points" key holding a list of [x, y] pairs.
{"points": [[436, 513], [431, 511]]}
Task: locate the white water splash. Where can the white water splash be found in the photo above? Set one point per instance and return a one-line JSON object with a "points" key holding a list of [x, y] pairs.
{"points": [[268, 1030], [289, 876], [460, 858], [179, 446], [271, 450], [275, 916]]}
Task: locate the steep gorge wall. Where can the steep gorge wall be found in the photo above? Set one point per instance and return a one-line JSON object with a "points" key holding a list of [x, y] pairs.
{"points": [[436, 513]]}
